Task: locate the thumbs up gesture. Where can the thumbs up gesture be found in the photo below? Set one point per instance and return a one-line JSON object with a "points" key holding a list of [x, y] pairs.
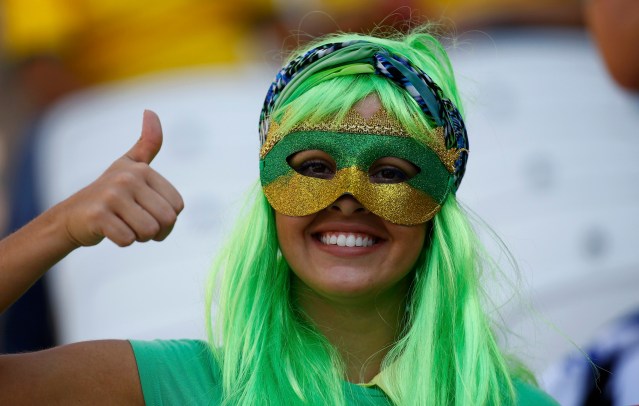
{"points": [[129, 201]]}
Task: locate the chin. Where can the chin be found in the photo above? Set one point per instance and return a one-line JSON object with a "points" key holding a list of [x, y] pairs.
{"points": [[349, 283]]}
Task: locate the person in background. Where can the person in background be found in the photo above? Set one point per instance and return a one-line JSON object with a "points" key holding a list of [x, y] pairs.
{"points": [[614, 25], [608, 375]]}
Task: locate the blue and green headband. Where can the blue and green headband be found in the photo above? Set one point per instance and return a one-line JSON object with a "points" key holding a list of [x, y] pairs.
{"points": [[282, 185]]}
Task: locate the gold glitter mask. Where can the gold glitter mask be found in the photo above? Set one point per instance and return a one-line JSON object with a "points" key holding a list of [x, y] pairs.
{"points": [[412, 201], [299, 195]]}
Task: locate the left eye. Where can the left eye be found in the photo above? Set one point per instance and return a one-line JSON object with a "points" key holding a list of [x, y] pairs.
{"points": [[388, 174], [392, 170]]}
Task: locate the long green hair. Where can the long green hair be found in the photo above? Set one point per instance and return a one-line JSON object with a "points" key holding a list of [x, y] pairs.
{"points": [[269, 354]]}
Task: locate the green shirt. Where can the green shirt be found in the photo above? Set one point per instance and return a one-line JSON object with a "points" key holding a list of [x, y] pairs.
{"points": [[184, 372]]}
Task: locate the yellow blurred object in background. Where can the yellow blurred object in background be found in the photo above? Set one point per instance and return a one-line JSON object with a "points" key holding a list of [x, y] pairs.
{"points": [[104, 40]]}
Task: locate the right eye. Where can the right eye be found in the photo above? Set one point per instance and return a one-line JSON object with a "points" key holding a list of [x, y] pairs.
{"points": [[315, 169], [313, 163]]}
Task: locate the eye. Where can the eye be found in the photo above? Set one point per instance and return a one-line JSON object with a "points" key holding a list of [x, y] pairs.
{"points": [[392, 170], [313, 163], [388, 175], [315, 169]]}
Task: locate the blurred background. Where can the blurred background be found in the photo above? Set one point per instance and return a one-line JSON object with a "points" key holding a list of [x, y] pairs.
{"points": [[550, 90]]}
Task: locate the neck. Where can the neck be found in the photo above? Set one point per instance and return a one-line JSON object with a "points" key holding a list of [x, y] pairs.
{"points": [[362, 330]]}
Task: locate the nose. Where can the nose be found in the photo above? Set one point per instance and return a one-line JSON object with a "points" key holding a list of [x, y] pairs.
{"points": [[348, 205]]}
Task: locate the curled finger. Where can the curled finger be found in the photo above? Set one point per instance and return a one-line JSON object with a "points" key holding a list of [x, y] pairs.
{"points": [[142, 223], [159, 208], [116, 230], [163, 187]]}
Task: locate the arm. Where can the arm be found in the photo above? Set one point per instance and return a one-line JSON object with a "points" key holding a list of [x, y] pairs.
{"points": [[128, 202], [95, 373]]}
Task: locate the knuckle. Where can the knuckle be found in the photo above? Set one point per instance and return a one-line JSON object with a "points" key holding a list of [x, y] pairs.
{"points": [[154, 228], [125, 178], [149, 230], [96, 214], [110, 196], [179, 205], [168, 218], [140, 168]]}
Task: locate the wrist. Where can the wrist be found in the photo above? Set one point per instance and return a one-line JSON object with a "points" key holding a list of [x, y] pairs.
{"points": [[52, 231]]}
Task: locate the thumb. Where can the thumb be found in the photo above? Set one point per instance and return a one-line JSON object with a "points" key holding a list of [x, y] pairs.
{"points": [[148, 146]]}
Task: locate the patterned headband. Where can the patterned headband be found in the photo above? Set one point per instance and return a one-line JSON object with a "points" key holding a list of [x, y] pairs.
{"points": [[430, 98]]}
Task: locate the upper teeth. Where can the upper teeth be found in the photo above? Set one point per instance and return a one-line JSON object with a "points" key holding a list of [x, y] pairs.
{"points": [[347, 239]]}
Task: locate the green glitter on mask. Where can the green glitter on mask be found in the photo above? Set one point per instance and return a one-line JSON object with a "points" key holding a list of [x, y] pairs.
{"points": [[361, 151]]}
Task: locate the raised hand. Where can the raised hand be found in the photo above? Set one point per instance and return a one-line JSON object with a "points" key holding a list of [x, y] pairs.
{"points": [[128, 202]]}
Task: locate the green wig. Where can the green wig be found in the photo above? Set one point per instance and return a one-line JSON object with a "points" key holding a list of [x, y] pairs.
{"points": [[269, 354]]}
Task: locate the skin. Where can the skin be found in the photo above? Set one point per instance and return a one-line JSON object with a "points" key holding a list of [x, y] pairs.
{"points": [[346, 291], [342, 291], [614, 25], [129, 202], [349, 290]]}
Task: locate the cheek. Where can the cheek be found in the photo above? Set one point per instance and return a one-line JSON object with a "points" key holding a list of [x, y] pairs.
{"points": [[284, 226], [413, 240], [290, 236]]}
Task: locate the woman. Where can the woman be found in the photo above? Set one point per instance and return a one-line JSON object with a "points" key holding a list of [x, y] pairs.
{"points": [[353, 278]]}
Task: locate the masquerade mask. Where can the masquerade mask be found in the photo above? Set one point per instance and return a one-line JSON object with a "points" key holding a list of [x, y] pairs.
{"points": [[355, 144]]}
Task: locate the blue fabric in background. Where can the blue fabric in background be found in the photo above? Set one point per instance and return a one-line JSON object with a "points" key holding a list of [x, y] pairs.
{"points": [[28, 323]]}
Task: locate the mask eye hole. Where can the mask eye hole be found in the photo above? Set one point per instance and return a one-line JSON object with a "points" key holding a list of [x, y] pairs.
{"points": [[313, 163], [392, 170]]}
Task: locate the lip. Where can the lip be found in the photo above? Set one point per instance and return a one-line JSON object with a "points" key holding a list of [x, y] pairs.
{"points": [[353, 228]]}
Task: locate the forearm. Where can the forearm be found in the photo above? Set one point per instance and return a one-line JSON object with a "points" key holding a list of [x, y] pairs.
{"points": [[29, 253]]}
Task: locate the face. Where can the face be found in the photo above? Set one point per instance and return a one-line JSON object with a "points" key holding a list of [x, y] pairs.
{"points": [[344, 252]]}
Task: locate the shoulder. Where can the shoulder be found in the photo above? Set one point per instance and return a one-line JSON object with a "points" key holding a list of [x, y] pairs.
{"points": [[529, 395], [177, 372], [94, 372]]}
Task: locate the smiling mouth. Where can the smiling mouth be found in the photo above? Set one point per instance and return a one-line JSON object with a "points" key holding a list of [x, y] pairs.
{"points": [[347, 239]]}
